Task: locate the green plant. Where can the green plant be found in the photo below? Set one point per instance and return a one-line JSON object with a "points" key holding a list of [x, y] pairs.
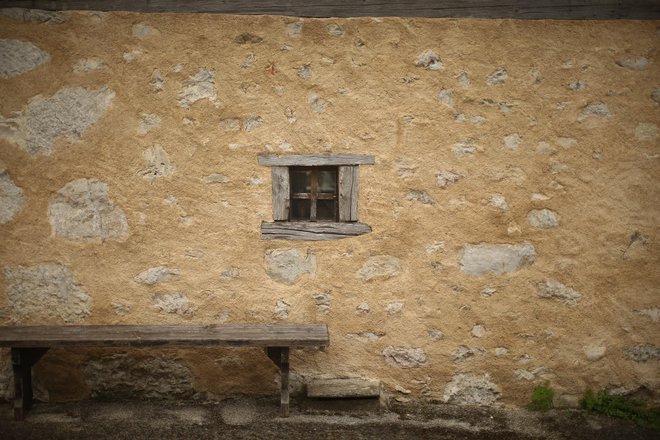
{"points": [[623, 407], [541, 398]]}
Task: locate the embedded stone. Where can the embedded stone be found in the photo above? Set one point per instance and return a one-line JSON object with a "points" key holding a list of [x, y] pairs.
{"points": [[317, 103], [305, 72], [157, 163], [295, 29], [445, 178], [542, 218], [429, 60], [34, 15], [446, 96], [498, 201], [653, 313], [129, 376], [552, 289], [464, 352], [594, 109], [463, 149], [335, 29], [464, 80], [157, 81], [595, 352], [132, 55], [247, 38], [577, 84], [643, 353], [367, 336], [197, 87], [481, 259], [88, 64], [143, 30], [499, 76], [175, 303], [322, 301], [215, 178], [281, 309], [394, 308], [469, 389], [252, 122], [69, 112], [435, 334], [419, 196], [380, 267], [82, 211], [566, 142], [155, 275], [512, 141], [405, 357], [639, 63], [289, 265], [645, 131], [655, 95], [11, 198], [148, 122], [18, 57], [478, 331], [363, 308], [250, 59], [46, 292]]}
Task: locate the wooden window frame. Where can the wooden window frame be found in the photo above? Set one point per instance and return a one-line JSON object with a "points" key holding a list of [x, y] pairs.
{"points": [[347, 166]]}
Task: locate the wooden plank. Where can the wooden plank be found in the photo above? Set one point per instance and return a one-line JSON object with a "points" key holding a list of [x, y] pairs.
{"points": [[338, 388], [248, 335], [312, 160], [348, 193], [524, 9], [281, 195], [312, 231]]}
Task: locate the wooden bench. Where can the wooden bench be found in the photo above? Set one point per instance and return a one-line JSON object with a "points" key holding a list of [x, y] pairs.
{"points": [[29, 343]]}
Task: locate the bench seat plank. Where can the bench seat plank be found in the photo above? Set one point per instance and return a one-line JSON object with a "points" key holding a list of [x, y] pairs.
{"points": [[248, 335]]}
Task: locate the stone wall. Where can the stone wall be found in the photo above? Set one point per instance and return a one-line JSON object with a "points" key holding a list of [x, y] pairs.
{"points": [[514, 201]]}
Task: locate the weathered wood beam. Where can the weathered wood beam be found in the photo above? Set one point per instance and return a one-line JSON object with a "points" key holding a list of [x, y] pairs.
{"points": [[522, 9], [312, 160], [312, 231]]}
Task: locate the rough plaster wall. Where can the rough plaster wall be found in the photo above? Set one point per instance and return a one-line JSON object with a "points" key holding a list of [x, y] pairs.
{"points": [[514, 201]]}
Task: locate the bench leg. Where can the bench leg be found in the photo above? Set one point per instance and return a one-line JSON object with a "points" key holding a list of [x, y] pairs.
{"points": [[280, 356], [22, 360]]}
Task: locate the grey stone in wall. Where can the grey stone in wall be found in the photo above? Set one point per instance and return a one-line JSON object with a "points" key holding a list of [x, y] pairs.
{"points": [[445, 178], [405, 357], [646, 131], [46, 291], [281, 310], [11, 198], [124, 376], [34, 15], [295, 29], [463, 149], [555, 290], [594, 109], [335, 29], [464, 352], [419, 196], [215, 178], [148, 122], [82, 211], [155, 275], [157, 163], [469, 389], [429, 60], [88, 64], [157, 81], [643, 353], [542, 218], [143, 30], [512, 141], [175, 303], [323, 302], [639, 63], [655, 95], [18, 57], [499, 76], [69, 112], [288, 265], [199, 86], [653, 313], [380, 267], [481, 259]]}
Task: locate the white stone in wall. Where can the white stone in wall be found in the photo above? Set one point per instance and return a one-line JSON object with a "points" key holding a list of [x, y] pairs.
{"points": [[197, 87], [175, 303], [653, 313], [323, 301], [594, 109], [157, 163], [295, 29], [498, 76], [394, 308], [471, 389], [481, 259], [89, 64], [82, 211], [464, 352], [69, 113], [429, 60], [289, 265], [46, 292], [380, 267], [446, 177], [542, 218], [143, 30], [155, 275], [478, 331], [638, 63], [405, 357], [148, 122], [643, 353], [281, 310], [132, 55], [11, 198], [498, 201], [552, 289], [17, 57], [595, 351], [512, 141], [419, 196]]}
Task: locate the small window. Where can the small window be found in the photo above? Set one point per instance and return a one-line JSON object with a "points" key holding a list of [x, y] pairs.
{"points": [[315, 197]]}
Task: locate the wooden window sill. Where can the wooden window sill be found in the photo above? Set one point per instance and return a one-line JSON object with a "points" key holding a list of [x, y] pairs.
{"points": [[312, 231]]}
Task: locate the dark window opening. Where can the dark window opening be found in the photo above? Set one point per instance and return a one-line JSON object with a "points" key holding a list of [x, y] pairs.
{"points": [[314, 194]]}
